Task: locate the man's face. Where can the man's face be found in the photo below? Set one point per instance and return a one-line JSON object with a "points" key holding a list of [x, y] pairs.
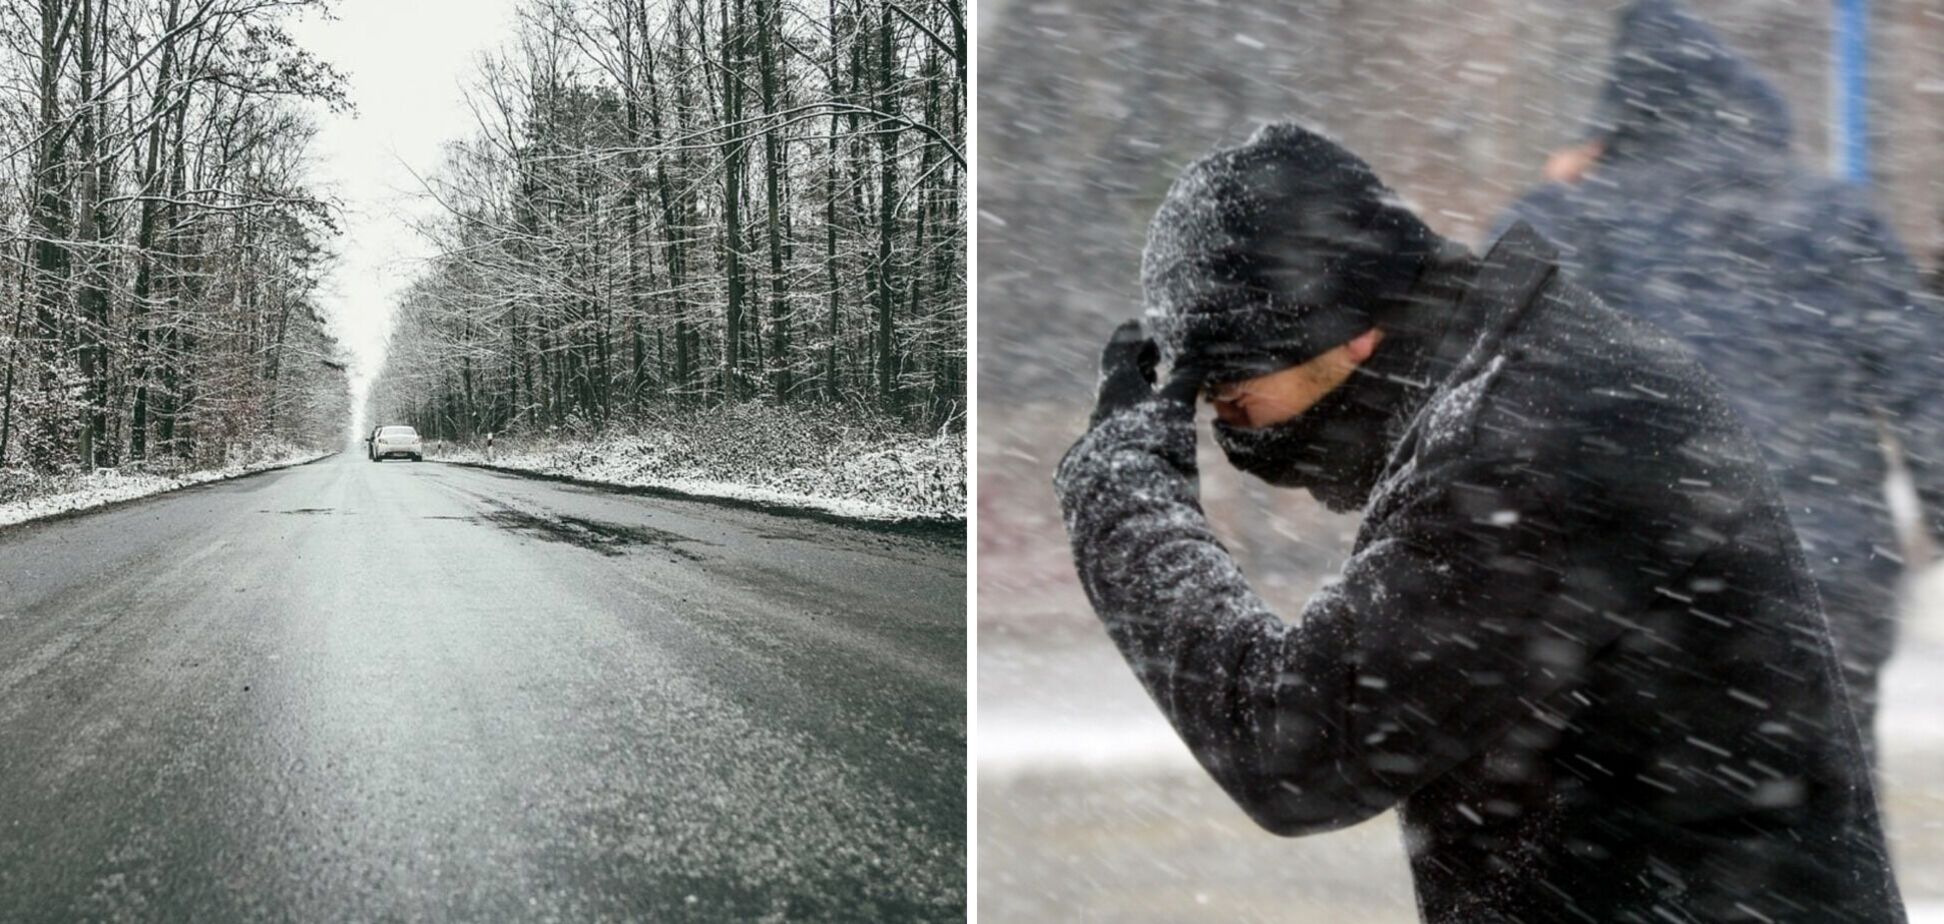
{"points": [[1267, 400]]}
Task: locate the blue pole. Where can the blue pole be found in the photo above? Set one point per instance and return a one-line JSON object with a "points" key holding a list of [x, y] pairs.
{"points": [[1850, 147]]}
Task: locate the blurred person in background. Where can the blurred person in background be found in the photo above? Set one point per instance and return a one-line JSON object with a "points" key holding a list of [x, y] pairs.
{"points": [[1683, 206], [1575, 644]]}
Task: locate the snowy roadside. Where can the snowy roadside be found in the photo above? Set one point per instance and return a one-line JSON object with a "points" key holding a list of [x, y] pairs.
{"points": [[108, 486], [923, 479]]}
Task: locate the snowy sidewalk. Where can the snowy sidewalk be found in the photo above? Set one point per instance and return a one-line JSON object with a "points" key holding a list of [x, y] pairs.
{"points": [[1090, 808]]}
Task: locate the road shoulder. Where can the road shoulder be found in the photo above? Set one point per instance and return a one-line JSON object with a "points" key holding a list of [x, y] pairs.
{"points": [[949, 532]]}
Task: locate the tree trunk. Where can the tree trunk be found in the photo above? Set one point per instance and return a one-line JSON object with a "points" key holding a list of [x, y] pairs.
{"points": [[767, 18], [733, 146], [887, 198], [145, 239]]}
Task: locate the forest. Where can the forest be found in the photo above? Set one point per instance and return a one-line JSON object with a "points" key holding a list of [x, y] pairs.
{"points": [[681, 210], [160, 252]]}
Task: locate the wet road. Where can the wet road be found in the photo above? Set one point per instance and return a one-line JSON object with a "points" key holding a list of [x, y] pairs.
{"points": [[348, 691]]}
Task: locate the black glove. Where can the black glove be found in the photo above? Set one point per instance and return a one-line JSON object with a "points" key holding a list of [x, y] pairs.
{"points": [[1127, 375], [1130, 415]]}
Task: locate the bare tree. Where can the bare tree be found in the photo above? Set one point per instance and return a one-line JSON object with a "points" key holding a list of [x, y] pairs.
{"points": [[167, 247], [622, 159]]}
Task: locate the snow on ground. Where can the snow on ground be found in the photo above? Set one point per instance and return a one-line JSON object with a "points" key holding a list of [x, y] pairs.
{"points": [[1090, 808], [868, 476], [35, 497]]}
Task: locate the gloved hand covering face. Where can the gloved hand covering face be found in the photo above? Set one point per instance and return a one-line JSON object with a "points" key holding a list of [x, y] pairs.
{"points": [[1131, 416], [1268, 255]]}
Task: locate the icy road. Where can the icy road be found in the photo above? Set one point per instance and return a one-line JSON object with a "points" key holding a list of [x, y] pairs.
{"points": [[348, 691]]}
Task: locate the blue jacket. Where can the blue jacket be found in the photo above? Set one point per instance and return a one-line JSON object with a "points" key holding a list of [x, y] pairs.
{"points": [[1787, 286]]}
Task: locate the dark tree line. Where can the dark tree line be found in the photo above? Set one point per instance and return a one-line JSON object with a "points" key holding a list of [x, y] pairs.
{"points": [[687, 202], [160, 251]]}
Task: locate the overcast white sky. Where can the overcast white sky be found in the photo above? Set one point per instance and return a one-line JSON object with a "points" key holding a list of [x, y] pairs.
{"points": [[406, 61]]}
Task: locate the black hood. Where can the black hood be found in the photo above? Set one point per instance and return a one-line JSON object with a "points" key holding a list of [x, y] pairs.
{"points": [[1675, 86], [1268, 253]]}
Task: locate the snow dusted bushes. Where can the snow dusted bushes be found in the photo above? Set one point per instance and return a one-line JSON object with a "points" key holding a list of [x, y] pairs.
{"points": [[806, 455], [26, 494]]}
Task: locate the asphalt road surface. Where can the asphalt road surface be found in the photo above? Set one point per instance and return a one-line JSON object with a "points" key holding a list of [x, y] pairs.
{"points": [[356, 691]]}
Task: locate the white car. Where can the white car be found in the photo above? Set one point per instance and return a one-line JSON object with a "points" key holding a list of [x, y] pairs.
{"points": [[395, 441]]}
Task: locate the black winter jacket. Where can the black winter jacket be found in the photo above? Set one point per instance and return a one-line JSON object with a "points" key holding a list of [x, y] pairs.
{"points": [[1575, 645]]}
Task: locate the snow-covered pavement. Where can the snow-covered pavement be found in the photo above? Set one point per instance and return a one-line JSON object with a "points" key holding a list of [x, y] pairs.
{"points": [[1091, 809]]}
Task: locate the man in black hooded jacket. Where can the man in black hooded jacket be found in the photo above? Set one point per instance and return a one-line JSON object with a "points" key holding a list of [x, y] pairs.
{"points": [[1684, 208], [1575, 644]]}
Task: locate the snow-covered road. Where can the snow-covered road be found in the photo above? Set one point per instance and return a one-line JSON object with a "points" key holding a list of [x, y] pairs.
{"points": [[352, 691]]}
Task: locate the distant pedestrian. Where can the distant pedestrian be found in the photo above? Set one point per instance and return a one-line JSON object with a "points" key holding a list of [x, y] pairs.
{"points": [[1575, 644], [1683, 207]]}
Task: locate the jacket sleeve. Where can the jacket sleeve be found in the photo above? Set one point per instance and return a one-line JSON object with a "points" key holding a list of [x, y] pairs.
{"points": [[1430, 646], [1899, 338]]}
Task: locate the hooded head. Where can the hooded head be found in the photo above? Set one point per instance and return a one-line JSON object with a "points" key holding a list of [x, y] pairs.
{"points": [[1270, 253], [1674, 83], [1267, 255]]}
